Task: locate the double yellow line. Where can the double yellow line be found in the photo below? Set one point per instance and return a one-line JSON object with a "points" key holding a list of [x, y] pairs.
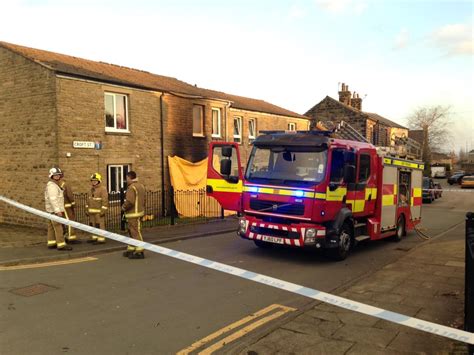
{"points": [[256, 320]]}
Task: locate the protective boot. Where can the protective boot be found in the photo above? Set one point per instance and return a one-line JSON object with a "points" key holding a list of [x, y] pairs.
{"points": [[137, 255], [99, 240], [129, 251], [93, 238]]}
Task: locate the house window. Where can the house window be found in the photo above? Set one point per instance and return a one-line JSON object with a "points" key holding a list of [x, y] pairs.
{"points": [[198, 121], [292, 126], [216, 123], [116, 112], [116, 177], [238, 129], [252, 129]]}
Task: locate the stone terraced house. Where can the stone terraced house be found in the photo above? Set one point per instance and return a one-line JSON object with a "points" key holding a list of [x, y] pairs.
{"points": [[377, 129]]}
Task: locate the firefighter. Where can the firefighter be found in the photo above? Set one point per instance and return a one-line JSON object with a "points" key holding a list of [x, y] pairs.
{"points": [[69, 211], [134, 209], [54, 203], [97, 206]]}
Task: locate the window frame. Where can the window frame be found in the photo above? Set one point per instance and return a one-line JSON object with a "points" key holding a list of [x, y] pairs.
{"points": [[239, 119], [123, 181], [127, 123], [195, 134], [292, 124], [219, 122], [254, 136]]}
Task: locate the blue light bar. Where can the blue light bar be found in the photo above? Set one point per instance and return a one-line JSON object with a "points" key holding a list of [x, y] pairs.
{"points": [[298, 193]]}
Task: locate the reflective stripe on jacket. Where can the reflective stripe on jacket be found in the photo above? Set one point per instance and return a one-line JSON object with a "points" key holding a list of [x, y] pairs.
{"points": [[134, 205], [98, 200]]}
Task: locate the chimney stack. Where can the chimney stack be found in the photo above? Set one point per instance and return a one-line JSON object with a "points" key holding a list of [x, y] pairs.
{"points": [[345, 95], [356, 102]]}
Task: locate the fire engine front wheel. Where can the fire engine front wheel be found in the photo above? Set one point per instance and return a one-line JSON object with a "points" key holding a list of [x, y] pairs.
{"points": [[345, 243]]}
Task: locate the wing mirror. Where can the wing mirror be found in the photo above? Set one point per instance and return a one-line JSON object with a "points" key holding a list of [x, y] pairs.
{"points": [[226, 166], [227, 151]]}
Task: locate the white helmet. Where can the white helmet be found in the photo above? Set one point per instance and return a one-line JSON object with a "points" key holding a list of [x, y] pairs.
{"points": [[55, 171]]}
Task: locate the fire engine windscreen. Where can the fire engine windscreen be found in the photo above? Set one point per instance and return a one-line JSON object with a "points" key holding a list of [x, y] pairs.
{"points": [[294, 166]]}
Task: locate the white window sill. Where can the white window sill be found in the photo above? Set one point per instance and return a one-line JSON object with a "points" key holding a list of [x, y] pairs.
{"points": [[113, 130], [195, 135], [216, 136]]}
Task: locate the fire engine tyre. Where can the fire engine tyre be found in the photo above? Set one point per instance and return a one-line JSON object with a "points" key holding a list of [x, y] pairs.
{"points": [[401, 229], [263, 245], [345, 244]]}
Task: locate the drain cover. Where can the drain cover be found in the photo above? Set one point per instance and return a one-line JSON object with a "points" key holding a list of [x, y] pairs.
{"points": [[32, 290]]}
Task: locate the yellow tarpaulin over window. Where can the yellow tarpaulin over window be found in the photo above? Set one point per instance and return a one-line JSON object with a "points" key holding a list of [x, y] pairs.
{"points": [[189, 183]]}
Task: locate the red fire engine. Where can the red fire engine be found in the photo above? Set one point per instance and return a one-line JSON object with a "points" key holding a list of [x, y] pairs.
{"points": [[306, 189]]}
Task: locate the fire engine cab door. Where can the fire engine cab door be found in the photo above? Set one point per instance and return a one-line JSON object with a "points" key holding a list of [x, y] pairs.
{"points": [[367, 178], [224, 175]]}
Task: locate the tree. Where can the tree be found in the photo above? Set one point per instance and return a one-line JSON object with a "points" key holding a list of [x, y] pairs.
{"points": [[435, 122]]}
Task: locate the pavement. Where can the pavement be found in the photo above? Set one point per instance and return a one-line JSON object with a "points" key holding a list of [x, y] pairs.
{"points": [[24, 245]]}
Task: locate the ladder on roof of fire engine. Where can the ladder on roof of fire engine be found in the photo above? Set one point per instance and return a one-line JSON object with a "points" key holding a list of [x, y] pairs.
{"points": [[343, 130], [349, 132]]}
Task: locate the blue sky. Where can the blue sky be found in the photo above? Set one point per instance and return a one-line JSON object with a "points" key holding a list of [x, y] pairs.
{"points": [[398, 55]]}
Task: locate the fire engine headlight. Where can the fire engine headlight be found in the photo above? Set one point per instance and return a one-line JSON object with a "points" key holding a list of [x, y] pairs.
{"points": [[242, 225], [310, 236]]}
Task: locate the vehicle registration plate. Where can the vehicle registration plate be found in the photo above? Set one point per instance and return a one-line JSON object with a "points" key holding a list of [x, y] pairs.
{"points": [[273, 239]]}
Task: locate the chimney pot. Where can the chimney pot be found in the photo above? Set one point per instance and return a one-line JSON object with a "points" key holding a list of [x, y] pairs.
{"points": [[345, 94]]}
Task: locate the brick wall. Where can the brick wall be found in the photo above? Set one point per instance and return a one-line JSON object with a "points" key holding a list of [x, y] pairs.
{"points": [[80, 106], [28, 137]]}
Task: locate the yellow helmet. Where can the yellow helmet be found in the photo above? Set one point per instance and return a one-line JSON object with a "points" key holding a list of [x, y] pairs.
{"points": [[96, 177]]}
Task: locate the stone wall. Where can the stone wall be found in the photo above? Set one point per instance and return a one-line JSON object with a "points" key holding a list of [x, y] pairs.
{"points": [[331, 110], [80, 106], [28, 139]]}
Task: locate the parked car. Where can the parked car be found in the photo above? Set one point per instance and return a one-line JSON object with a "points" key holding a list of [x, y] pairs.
{"points": [[438, 172], [428, 194], [467, 181], [455, 178], [438, 192]]}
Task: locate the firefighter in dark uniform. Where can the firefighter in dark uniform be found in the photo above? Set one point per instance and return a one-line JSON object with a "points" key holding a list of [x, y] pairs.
{"points": [[69, 212], [134, 209], [97, 207]]}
